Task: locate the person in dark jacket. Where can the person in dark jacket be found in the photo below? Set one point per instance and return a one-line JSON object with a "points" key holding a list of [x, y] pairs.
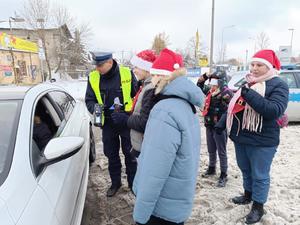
{"points": [[108, 84], [252, 123], [41, 133], [143, 101], [218, 96]]}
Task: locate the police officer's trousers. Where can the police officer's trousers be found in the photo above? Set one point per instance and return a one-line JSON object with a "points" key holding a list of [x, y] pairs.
{"points": [[112, 137]]}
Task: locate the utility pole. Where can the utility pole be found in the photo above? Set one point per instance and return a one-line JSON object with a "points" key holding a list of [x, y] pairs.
{"points": [[212, 37], [292, 29], [246, 62]]}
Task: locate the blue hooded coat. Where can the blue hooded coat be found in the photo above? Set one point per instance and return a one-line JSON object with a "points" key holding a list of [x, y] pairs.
{"points": [[167, 171]]}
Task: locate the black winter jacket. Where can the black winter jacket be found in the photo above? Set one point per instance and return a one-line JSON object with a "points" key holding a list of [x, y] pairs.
{"points": [[138, 122], [271, 107], [218, 104], [110, 88]]}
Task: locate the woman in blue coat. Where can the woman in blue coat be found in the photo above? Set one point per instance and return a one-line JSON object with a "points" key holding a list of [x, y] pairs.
{"points": [[167, 171], [252, 121]]}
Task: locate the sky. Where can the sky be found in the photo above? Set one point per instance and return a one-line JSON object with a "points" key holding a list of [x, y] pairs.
{"points": [[131, 25]]}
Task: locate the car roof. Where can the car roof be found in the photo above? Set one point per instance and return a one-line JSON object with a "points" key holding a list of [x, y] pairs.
{"points": [[10, 92], [285, 71]]}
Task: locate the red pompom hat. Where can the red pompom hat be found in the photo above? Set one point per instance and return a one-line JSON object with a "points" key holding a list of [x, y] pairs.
{"points": [[267, 57], [166, 63], [144, 59]]}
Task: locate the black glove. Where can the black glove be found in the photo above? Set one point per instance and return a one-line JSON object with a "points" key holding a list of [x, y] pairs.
{"points": [[120, 118], [245, 88]]}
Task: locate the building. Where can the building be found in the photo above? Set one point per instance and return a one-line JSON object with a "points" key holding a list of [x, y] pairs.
{"points": [[56, 40], [19, 61]]}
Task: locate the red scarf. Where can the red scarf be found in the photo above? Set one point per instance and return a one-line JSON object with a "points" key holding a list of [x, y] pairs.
{"points": [[136, 98], [207, 104]]}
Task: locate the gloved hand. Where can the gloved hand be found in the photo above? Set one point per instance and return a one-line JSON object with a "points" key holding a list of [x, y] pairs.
{"points": [[120, 118], [245, 88]]}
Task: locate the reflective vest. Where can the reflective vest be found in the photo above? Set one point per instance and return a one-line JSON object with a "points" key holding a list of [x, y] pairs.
{"points": [[125, 74]]}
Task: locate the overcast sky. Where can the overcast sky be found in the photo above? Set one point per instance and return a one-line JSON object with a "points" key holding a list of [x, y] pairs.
{"points": [[130, 25]]}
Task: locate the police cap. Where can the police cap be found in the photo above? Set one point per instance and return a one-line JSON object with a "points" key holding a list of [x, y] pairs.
{"points": [[100, 57]]}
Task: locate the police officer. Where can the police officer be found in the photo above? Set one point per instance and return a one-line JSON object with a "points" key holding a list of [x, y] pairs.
{"points": [[107, 83]]}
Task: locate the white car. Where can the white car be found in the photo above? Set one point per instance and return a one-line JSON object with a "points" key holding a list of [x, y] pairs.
{"points": [[291, 77], [43, 182]]}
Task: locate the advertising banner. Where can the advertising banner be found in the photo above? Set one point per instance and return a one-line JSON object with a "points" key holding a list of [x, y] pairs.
{"points": [[9, 41]]}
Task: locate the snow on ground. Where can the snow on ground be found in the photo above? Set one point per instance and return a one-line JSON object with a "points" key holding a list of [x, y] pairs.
{"points": [[212, 204]]}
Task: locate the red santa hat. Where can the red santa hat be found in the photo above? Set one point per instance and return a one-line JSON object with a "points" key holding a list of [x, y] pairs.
{"points": [[267, 57], [143, 59], [166, 63]]}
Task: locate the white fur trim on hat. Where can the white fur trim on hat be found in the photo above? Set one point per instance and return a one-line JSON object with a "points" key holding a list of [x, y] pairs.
{"points": [[266, 62], [154, 71], [213, 81], [140, 63]]}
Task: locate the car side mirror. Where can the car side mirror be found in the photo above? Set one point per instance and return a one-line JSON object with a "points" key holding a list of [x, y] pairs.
{"points": [[61, 148]]}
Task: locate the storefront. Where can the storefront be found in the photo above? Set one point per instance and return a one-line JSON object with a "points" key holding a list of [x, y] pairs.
{"points": [[22, 55]]}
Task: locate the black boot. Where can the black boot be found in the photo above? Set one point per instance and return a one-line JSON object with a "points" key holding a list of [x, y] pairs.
{"points": [[256, 213], [210, 171], [222, 180], [244, 199], [113, 189]]}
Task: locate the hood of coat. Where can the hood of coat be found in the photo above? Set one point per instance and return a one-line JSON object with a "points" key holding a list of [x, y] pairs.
{"points": [[180, 86]]}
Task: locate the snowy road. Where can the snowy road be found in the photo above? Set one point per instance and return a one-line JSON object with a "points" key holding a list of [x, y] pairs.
{"points": [[212, 204]]}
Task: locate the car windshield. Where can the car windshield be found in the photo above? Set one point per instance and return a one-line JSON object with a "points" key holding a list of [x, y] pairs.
{"points": [[9, 117]]}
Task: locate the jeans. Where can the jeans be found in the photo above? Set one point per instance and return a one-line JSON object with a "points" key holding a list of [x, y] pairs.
{"points": [[255, 163]]}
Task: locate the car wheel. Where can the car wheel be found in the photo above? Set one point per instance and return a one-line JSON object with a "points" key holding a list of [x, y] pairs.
{"points": [[92, 156]]}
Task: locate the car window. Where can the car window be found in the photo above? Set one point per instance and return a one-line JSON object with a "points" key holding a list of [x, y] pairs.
{"points": [[46, 124], [9, 119], [64, 101], [289, 78]]}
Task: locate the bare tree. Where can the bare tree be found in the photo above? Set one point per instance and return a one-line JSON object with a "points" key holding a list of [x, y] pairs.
{"points": [[193, 52], [37, 16], [160, 42], [71, 49], [262, 41]]}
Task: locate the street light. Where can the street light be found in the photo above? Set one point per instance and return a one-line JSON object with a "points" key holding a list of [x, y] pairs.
{"points": [[14, 19], [254, 48], [291, 29], [222, 44]]}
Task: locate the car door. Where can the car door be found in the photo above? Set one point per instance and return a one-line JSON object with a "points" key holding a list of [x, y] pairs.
{"points": [[294, 95], [61, 181]]}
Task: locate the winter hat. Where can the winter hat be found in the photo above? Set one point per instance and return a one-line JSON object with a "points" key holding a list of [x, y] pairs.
{"points": [[167, 62], [143, 59], [267, 57]]}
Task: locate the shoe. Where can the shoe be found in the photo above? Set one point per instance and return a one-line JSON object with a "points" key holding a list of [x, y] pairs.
{"points": [[256, 213], [222, 180], [113, 190], [243, 199], [211, 170]]}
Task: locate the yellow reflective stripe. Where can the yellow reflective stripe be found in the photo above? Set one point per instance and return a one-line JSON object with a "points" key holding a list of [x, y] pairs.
{"points": [[94, 79], [126, 87]]}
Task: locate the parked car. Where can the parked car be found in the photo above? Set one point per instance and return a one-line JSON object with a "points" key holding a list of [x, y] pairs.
{"points": [[291, 77], [43, 185]]}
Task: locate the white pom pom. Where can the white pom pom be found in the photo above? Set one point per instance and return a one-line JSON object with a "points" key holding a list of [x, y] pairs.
{"points": [[176, 66]]}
